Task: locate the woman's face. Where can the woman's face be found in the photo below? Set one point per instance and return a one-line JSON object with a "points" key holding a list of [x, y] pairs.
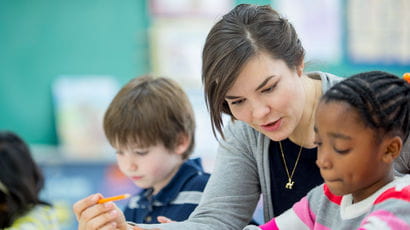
{"points": [[269, 96]]}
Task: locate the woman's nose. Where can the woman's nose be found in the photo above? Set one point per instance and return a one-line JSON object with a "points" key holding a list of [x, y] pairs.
{"points": [[260, 110]]}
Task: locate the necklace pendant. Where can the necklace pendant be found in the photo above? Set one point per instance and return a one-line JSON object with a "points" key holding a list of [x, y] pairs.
{"points": [[289, 185]]}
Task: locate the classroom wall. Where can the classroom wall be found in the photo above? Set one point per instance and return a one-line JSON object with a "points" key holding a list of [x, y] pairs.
{"points": [[42, 39]]}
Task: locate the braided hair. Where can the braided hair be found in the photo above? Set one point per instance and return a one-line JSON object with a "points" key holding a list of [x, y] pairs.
{"points": [[382, 100]]}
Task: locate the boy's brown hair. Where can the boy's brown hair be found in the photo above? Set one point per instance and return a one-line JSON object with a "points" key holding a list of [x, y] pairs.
{"points": [[149, 111]]}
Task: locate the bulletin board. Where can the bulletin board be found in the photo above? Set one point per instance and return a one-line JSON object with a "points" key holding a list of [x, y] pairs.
{"points": [[378, 32], [345, 37]]}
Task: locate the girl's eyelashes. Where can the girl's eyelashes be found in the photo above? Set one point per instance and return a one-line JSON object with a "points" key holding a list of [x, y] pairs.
{"points": [[341, 151]]}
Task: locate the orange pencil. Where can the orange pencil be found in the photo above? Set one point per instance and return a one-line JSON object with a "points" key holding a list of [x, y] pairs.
{"points": [[114, 198]]}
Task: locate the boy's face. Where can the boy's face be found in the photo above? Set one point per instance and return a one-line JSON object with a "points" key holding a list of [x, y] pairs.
{"points": [[151, 167], [349, 157]]}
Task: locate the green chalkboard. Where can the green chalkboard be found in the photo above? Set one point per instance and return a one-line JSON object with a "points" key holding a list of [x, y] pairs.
{"points": [[42, 39]]}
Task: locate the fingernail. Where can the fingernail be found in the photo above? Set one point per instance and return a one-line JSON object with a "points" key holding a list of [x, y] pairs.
{"points": [[94, 198]]}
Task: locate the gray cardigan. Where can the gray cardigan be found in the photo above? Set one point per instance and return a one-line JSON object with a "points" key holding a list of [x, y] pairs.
{"points": [[241, 175]]}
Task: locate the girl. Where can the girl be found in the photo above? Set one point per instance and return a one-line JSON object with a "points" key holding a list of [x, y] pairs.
{"points": [[21, 181], [360, 127]]}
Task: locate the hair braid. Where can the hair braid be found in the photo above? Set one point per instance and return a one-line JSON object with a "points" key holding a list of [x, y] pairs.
{"points": [[382, 99]]}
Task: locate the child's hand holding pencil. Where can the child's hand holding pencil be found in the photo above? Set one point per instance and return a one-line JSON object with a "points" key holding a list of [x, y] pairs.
{"points": [[113, 198]]}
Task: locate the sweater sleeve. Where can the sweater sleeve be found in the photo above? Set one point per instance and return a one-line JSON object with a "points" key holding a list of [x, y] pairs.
{"points": [[390, 211], [297, 217], [233, 190]]}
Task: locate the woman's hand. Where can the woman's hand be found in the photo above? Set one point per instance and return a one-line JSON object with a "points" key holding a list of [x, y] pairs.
{"points": [[91, 215]]}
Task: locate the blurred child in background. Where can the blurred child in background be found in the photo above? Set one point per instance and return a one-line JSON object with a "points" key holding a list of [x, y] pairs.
{"points": [[151, 124], [21, 181], [361, 125]]}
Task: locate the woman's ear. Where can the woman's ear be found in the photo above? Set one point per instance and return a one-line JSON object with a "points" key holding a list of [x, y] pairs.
{"points": [[183, 143], [300, 68], [392, 149]]}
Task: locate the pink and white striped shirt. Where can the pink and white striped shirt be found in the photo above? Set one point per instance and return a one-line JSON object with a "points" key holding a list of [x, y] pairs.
{"points": [[388, 208]]}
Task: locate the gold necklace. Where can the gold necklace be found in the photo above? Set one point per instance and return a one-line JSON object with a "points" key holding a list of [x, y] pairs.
{"points": [[290, 183]]}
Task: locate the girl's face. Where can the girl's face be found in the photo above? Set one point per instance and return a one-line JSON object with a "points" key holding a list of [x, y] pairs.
{"points": [[151, 167], [268, 95], [350, 159]]}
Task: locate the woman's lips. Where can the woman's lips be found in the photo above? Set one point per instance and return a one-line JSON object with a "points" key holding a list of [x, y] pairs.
{"points": [[272, 126]]}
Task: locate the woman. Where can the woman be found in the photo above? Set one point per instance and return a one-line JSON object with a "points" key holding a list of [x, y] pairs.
{"points": [[252, 71]]}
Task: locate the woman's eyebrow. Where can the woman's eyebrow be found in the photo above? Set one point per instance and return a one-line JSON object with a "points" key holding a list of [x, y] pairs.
{"points": [[231, 97], [257, 88], [264, 82]]}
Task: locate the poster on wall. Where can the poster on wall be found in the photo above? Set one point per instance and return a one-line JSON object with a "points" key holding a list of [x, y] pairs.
{"points": [[176, 48], [80, 103], [177, 35], [195, 8], [378, 32], [318, 24]]}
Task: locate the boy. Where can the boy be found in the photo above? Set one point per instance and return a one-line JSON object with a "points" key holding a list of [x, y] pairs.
{"points": [[150, 123]]}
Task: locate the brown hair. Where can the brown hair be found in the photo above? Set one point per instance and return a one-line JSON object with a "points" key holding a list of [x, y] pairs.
{"points": [[241, 34], [21, 177], [148, 111]]}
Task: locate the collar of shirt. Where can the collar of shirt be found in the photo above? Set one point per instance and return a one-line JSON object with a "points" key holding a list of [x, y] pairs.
{"points": [[187, 170]]}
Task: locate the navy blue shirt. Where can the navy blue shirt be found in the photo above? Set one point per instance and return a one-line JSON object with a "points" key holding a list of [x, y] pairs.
{"points": [[176, 200], [307, 174]]}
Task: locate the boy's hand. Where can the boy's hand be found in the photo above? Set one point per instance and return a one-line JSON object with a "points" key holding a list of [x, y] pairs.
{"points": [[91, 215], [163, 220]]}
